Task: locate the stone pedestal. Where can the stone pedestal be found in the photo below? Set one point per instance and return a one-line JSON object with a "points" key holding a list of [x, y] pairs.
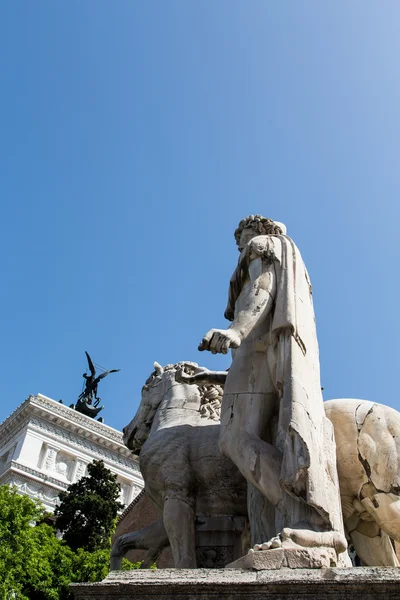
{"points": [[362, 583]]}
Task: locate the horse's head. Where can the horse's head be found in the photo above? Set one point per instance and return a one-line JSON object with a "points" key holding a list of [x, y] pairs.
{"points": [[153, 391], [136, 433]]}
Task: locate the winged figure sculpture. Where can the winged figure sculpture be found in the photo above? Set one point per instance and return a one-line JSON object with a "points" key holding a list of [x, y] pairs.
{"points": [[88, 401]]}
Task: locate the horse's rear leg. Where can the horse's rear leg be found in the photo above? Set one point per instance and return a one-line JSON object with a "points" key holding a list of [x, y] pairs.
{"points": [[153, 538], [151, 557], [179, 522], [385, 510], [374, 550]]}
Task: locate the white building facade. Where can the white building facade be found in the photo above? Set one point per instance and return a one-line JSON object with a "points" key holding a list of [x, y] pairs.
{"points": [[45, 446]]}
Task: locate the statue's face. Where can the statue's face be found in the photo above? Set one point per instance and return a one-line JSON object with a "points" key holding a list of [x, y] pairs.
{"points": [[246, 235]]}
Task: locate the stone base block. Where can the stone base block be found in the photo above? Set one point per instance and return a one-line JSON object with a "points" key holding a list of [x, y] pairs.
{"points": [[362, 583], [291, 558]]}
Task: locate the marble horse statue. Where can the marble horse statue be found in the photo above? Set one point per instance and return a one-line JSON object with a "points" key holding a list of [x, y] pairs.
{"points": [[185, 475], [176, 431]]}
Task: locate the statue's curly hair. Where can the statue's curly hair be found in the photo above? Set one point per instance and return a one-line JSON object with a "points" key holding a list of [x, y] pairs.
{"points": [[259, 224]]}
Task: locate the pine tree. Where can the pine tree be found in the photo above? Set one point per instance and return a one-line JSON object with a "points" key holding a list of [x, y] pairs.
{"points": [[88, 509]]}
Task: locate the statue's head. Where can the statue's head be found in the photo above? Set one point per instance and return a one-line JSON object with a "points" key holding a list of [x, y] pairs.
{"points": [[254, 225]]}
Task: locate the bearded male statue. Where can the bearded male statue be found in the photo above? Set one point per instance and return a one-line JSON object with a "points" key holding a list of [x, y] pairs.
{"points": [[273, 424]]}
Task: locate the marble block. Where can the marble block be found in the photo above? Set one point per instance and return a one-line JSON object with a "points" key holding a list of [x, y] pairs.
{"points": [[291, 558]]}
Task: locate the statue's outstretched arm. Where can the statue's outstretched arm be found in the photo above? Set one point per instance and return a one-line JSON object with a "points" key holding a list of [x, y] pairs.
{"points": [[202, 376]]}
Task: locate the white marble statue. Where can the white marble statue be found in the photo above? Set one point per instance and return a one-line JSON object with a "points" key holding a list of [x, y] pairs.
{"points": [[176, 432], [274, 378]]}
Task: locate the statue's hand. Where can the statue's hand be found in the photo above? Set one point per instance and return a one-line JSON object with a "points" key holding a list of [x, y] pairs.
{"points": [[200, 375], [218, 341]]}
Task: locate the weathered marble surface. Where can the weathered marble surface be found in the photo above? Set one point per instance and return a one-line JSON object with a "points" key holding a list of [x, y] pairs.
{"points": [[368, 461], [286, 558], [232, 584]]}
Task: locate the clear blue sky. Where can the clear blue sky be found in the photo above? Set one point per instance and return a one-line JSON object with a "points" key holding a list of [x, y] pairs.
{"points": [[136, 134]]}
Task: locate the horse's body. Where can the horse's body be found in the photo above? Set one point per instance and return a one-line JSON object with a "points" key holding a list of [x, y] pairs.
{"points": [[176, 432]]}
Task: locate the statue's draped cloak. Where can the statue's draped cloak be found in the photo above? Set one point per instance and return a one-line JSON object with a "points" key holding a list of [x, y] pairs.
{"points": [[305, 435]]}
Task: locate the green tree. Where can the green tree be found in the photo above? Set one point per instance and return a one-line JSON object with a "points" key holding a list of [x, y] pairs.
{"points": [[88, 509], [34, 564]]}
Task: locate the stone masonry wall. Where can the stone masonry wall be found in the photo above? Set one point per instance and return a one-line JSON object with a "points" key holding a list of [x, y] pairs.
{"points": [[140, 513]]}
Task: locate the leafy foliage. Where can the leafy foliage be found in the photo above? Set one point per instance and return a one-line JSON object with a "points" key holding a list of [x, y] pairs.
{"points": [[88, 509], [34, 563], [94, 566]]}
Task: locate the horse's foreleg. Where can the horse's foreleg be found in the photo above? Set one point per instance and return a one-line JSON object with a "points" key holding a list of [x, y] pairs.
{"points": [[153, 538], [179, 522]]}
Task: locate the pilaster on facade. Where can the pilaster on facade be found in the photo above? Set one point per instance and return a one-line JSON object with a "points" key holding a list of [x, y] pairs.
{"points": [[45, 446]]}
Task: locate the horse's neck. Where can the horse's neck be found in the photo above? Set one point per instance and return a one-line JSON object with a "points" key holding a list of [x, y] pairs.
{"points": [[180, 404]]}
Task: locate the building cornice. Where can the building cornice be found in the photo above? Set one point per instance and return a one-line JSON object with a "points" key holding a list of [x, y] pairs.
{"points": [[33, 474], [69, 419], [94, 447], [40, 490]]}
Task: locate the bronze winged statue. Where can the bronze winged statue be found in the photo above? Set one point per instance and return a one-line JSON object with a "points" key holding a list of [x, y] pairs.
{"points": [[92, 381], [88, 401]]}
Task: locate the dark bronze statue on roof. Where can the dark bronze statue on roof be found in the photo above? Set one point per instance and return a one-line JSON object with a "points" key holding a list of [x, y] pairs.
{"points": [[88, 401]]}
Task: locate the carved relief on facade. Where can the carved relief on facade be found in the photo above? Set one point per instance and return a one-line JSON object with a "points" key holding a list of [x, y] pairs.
{"points": [[80, 470], [50, 458], [135, 491], [34, 490], [125, 494], [29, 471], [64, 465]]}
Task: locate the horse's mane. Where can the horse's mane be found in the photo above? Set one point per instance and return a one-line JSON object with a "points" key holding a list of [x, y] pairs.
{"points": [[210, 394], [211, 397]]}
